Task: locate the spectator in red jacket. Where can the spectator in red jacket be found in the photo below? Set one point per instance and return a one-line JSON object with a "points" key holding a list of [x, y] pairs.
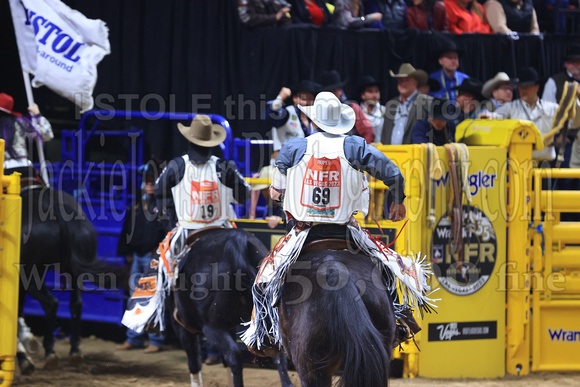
{"points": [[466, 16], [428, 15]]}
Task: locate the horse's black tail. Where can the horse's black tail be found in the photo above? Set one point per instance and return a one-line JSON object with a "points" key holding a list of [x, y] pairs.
{"points": [[85, 263], [365, 361]]}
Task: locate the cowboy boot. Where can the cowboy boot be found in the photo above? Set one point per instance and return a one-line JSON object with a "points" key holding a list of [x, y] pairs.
{"points": [[266, 349], [406, 328], [410, 321]]}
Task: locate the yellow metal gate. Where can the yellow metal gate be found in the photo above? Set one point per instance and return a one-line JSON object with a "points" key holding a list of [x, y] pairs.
{"points": [[10, 219]]}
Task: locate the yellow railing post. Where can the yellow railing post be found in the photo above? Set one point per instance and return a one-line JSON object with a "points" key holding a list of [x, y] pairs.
{"points": [[518, 257], [10, 220]]}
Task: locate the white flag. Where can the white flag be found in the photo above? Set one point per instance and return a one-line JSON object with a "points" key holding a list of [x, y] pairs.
{"points": [[61, 47]]}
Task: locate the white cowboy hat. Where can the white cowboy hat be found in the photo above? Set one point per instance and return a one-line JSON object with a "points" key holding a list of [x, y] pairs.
{"points": [[329, 114], [202, 132], [489, 86]]}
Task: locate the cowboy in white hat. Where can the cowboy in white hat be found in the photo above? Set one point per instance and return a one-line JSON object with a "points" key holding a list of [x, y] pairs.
{"points": [[499, 90], [321, 182], [201, 184]]}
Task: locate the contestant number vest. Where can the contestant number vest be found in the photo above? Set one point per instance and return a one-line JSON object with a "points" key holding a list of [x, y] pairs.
{"points": [[200, 198], [323, 187]]}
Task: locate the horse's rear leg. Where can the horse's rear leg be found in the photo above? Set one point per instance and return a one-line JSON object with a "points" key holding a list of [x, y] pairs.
{"points": [[229, 349], [190, 344], [76, 310], [49, 304]]}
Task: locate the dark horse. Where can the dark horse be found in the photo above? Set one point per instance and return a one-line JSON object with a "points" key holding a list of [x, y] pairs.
{"points": [[57, 235], [335, 313], [213, 296]]}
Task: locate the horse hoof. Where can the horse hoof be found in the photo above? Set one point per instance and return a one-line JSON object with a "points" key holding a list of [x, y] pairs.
{"points": [[76, 359], [27, 367], [52, 362]]}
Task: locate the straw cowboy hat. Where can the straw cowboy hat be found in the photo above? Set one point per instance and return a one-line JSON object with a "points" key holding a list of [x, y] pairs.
{"points": [[329, 114], [493, 83], [7, 104], [406, 70], [202, 132]]}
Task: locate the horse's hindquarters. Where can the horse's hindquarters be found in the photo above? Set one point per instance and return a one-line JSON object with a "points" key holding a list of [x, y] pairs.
{"points": [[336, 312]]}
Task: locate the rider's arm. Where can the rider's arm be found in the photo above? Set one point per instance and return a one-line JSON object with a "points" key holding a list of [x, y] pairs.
{"points": [[291, 153], [231, 178], [369, 159], [169, 177], [41, 124]]}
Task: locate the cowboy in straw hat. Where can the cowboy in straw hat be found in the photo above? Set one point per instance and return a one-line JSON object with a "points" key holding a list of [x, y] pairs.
{"points": [[529, 107], [499, 89], [405, 110], [15, 126], [198, 188], [320, 181]]}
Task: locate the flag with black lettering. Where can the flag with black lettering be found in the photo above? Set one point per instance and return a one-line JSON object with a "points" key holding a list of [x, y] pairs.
{"points": [[60, 47]]}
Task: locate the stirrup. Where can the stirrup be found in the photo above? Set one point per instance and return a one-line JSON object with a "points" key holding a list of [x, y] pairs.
{"points": [[265, 351]]}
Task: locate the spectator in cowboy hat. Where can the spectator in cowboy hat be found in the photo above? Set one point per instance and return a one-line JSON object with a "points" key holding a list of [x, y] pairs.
{"points": [[370, 95], [14, 128], [468, 98], [447, 54], [403, 111], [426, 83], [288, 122], [529, 107], [331, 81], [498, 90], [555, 84], [439, 127]]}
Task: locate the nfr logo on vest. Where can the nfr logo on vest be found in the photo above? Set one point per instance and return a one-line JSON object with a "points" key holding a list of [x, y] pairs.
{"points": [[321, 186], [205, 195]]}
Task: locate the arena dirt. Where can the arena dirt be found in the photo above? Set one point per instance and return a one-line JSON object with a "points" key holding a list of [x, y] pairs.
{"points": [[107, 367]]}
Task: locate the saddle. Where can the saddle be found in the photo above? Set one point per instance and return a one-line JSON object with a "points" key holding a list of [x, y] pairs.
{"points": [[329, 244]]}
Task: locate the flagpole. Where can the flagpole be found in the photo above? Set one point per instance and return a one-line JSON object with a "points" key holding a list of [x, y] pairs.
{"points": [[39, 148]]}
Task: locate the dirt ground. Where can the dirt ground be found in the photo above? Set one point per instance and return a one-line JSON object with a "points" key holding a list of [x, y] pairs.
{"points": [[105, 366]]}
